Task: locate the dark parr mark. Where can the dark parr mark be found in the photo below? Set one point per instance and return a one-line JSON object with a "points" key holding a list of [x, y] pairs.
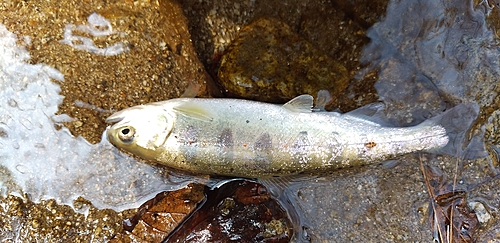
{"points": [[189, 136], [224, 143], [302, 142], [333, 146], [262, 150], [225, 139], [263, 142], [300, 148]]}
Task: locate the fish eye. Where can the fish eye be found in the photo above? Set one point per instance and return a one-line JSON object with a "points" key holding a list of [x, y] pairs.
{"points": [[126, 134]]}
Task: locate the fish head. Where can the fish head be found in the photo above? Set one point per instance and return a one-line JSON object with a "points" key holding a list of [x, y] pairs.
{"points": [[141, 130]]}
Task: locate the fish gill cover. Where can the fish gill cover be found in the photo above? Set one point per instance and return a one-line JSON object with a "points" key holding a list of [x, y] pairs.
{"points": [[43, 162]]}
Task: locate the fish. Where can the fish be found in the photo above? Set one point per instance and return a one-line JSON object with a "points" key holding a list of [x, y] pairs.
{"points": [[244, 138]]}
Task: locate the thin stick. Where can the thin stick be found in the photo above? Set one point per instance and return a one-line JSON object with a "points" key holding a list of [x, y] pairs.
{"points": [[431, 194]]}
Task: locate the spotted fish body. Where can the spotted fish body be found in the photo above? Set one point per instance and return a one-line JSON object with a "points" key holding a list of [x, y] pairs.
{"points": [[257, 140]]}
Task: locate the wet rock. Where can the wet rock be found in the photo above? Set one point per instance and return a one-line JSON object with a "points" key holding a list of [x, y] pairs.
{"points": [[215, 24], [337, 28], [269, 62], [377, 202], [333, 32], [24, 221], [492, 135], [364, 12], [483, 216], [492, 15], [359, 205], [157, 218], [236, 211], [133, 53]]}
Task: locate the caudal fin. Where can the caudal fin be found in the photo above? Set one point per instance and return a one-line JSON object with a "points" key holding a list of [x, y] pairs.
{"points": [[457, 121]]}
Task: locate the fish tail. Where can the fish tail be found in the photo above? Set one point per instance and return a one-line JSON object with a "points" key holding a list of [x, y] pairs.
{"points": [[457, 122]]}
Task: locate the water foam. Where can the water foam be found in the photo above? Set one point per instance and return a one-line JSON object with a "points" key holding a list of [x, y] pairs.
{"points": [[42, 162]]}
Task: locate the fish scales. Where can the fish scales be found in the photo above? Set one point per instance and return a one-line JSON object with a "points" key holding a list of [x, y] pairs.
{"points": [[257, 140], [253, 139]]}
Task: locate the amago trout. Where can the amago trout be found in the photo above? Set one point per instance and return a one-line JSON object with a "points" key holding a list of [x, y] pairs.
{"points": [[257, 140]]}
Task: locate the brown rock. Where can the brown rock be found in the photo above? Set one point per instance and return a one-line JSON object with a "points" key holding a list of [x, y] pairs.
{"points": [[269, 62]]}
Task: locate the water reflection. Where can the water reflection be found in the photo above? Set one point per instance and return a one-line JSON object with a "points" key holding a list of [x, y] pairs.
{"points": [[441, 51]]}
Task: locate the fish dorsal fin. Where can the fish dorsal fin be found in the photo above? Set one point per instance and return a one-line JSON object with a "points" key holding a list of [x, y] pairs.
{"points": [[301, 103], [194, 111]]}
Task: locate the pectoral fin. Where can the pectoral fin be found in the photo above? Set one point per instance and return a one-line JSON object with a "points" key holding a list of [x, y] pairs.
{"points": [[194, 111], [301, 103]]}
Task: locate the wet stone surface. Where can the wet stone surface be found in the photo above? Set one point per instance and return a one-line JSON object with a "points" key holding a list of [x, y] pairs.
{"points": [[390, 202], [269, 62], [25, 221], [335, 28]]}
